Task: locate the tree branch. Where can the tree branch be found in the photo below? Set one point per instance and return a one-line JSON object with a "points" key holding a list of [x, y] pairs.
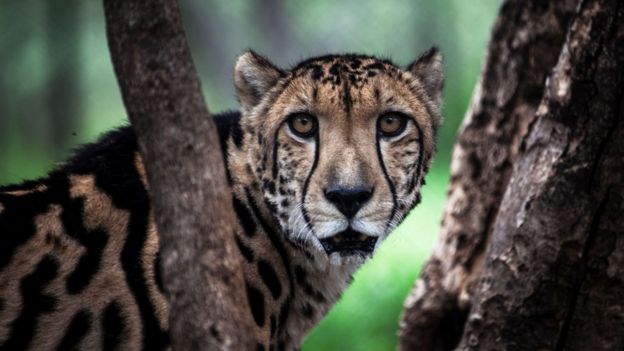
{"points": [[530, 254], [503, 106], [553, 276], [190, 198]]}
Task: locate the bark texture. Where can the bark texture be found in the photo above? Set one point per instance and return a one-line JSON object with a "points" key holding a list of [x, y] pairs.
{"points": [[190, 197], [529, 250], [526, 40]]}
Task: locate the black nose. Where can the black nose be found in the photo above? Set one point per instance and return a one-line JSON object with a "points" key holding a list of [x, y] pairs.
{"points": [[349, 200]]}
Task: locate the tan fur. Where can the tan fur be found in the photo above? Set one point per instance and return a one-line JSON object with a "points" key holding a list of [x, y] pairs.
{"points": [[140, 167], [39, 188]]}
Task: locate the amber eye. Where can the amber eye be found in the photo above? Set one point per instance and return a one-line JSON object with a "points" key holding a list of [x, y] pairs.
{"points": [[391, 124], [303, 125]]}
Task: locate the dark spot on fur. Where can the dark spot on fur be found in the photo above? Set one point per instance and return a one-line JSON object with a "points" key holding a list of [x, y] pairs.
{"points": [[237, 134], [300, 276], [417, 200], [475, 165], [283, 315], [352, 79], [300, 273], [307, 310], [112, 326], [264, 161], [244, 216], [269, 185], [273, 322], [346, 99], [335, 69], [270, 279], [334, 72], [256, 302], [76, 331], [244, 250], [316, 71], [374, 65]]}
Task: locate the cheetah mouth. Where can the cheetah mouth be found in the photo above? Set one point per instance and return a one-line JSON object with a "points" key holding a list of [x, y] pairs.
{"points": [[349, 241]]}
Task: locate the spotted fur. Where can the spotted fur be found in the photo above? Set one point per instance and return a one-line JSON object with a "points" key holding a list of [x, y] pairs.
{"points": [[79, 263]]}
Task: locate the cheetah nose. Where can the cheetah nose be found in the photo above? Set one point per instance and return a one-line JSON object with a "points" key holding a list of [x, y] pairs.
{"points": [[349, 200]]}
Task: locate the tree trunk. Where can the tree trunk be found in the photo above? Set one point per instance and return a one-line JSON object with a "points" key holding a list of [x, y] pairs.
{"points": [[531, 255], [191, 200]]}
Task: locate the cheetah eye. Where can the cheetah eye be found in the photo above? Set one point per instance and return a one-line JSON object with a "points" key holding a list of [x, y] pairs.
{"points": [[391, 124], [303, 125]]}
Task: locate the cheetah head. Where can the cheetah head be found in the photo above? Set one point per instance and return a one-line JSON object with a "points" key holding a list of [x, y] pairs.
{"points": [[340, 145]]}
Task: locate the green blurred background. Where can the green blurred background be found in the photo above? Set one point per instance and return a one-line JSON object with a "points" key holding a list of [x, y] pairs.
{"points": [[58, 90]]}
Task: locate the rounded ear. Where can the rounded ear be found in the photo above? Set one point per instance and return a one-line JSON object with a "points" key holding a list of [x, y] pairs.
{"points": [[254, 75], [429, 69]]}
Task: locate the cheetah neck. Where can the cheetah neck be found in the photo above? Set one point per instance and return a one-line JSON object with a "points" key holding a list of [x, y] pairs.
{"points": [[308, 285]]}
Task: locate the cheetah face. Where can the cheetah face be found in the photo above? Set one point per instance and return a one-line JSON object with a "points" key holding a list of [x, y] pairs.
{"points": [[340, 145]]}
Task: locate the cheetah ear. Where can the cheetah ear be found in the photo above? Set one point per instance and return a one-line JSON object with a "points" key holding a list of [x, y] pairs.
{"points": [[429, 69], [254, 75]]}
